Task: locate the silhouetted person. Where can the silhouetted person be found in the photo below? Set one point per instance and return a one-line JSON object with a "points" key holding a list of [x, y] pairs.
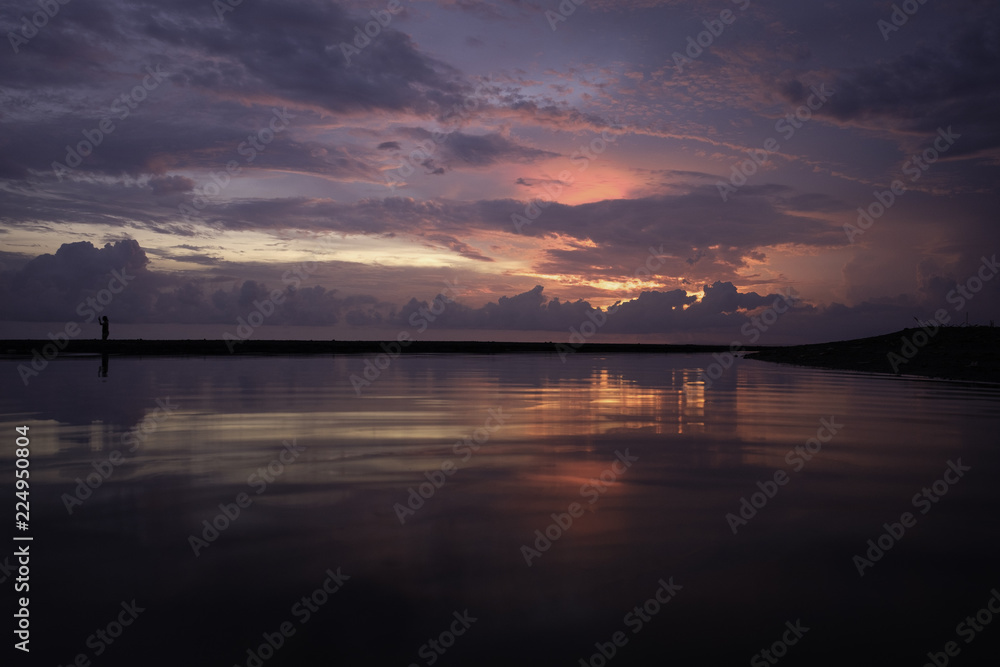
{"points": [[104, 327]]}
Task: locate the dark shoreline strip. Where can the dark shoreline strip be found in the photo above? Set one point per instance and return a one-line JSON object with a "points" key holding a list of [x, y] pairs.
{"points": [[27, 348], [954, 353]]}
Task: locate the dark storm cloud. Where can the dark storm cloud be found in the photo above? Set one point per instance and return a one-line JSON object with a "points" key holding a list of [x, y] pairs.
{"points": [[80, 281], [142, 145], [952, 84], [722, 310], [485, 150], [693, 224], [225, 76], [218, 81], [294, 50], [475, 150], [52, 287], [724, 315]]}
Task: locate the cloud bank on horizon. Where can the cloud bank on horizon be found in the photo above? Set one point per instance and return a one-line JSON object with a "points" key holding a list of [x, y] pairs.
{"points": [[690, 160]]}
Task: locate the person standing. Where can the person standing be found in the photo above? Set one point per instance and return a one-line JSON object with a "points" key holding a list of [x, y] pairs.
{"points": [[104, 327]]}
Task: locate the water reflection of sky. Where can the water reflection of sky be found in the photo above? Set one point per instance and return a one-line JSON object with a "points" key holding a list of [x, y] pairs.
{"points": [[700, 449]]}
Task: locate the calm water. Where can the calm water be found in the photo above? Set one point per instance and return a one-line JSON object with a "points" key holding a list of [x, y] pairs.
{"points": [[204, 431]]}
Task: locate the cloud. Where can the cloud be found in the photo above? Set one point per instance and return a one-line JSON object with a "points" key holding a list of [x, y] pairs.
{"points": [[694, 223], [350, 121], [53, 287], [534, 182], [459, 247], [221, 79], [459, 149], [954, 84], [56, 287], [164, 185], [75, 285], [723, 310]]}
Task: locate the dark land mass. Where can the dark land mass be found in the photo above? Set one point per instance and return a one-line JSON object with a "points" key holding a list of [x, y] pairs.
{"points": [[955, 353], [28, 348]]}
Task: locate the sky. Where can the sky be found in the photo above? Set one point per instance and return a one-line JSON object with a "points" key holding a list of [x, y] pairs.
{"points": [[677, 170]]}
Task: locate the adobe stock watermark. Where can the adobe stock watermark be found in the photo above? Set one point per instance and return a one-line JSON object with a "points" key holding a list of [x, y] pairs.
{"points": [[88, 309], [465, 448], [425, 150], [29, 29], [958, 297], [105, 468], [223, 7], [968, 629], [302, 611], [965, 292], [914, 168], [292, 279], [433, 649], [245, 327], [596, 318], [635, 620], [22, 623], [786, 127], [796, 457], [924, 500], [751, 331], [911, 345], [698, 44], [779, 648], [255, 144], [592, 490], [122, 106], [566, 9], [372, 29], [420, 319], [901, 13], [230, 512], [581, 159]]}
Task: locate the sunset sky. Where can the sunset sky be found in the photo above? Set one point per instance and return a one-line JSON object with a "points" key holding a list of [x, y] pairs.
{"points": [[217, 148]]}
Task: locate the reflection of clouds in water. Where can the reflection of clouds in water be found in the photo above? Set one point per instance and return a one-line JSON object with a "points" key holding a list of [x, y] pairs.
{"points": [[699, 449], [97, 411], [235, 408]]}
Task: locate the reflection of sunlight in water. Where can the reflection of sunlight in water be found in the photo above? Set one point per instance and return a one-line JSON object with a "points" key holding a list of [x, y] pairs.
{"points": [[699, 448], [99, 435], [415, 413], [608, 402], [691, 403]]}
